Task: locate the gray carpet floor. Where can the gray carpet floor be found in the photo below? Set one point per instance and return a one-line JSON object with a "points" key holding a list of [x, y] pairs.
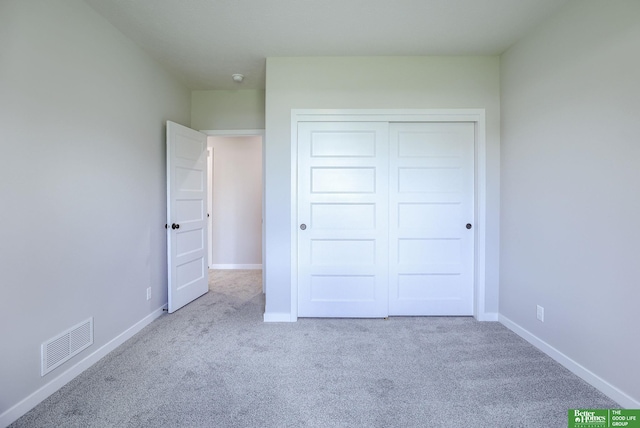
{"points": [[215, 363]]}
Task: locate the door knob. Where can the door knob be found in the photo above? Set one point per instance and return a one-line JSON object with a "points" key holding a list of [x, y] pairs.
{"points": [[175, 226], [468, 226], [303, 226]]}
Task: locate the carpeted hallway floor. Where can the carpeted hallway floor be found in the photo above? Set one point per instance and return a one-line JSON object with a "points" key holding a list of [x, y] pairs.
{"points": [[215, 363]]}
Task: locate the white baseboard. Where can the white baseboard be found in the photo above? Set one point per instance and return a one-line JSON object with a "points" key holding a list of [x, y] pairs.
{"points": [[488, 316], [236, 266], [16, 411], [277, 317], [585, 374]]}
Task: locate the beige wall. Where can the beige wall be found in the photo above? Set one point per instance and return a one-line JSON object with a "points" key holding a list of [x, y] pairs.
{"points": [[368, 83], [570, 189], [226, 110], [82, 115]]}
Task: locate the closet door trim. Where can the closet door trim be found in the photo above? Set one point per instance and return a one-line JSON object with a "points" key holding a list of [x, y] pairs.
{"points": [[476, 116]]}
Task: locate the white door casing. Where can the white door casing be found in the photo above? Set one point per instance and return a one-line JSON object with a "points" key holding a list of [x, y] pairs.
{"points": [[475, 157], [342, 219], [431, 217], [239, 133], [209, 204], [186, 215]]}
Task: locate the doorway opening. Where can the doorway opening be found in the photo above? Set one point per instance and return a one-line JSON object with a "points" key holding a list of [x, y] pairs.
{"points": [[235, 199], [235, 202]]}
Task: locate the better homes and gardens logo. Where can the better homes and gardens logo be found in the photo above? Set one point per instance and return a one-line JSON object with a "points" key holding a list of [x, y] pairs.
{"points": [[604, 418], [589, 418]]}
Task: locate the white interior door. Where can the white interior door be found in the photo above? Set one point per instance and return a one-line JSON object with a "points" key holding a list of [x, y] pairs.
{"points": [[186, 215], [431, 236], [342, 214]]}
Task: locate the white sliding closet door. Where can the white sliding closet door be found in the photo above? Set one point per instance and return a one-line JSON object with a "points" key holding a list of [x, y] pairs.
{"points": [[431, 201], [385, 218], [342, 216]]}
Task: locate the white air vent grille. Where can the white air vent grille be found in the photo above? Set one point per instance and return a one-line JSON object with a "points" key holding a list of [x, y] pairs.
{"points": [[61, 348]]}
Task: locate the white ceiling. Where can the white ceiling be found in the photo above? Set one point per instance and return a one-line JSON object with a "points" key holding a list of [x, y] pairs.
{"points": [[203, 42]]}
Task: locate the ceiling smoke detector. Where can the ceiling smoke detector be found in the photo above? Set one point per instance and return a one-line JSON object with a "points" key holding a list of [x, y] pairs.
{"points": [[238, 78]]}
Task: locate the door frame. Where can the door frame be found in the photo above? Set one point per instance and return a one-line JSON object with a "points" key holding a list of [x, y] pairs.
{"points": [[245, 133], [477, 116]]}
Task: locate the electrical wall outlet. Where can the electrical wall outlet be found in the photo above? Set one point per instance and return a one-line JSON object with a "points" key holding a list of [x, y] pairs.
{"points": [[148, 293], [540, 313]]}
